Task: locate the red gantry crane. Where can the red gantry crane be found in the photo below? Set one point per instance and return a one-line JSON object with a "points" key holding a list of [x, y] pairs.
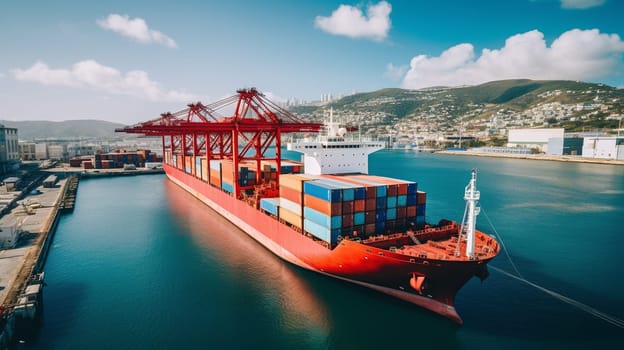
{"points": [[256, 125]]}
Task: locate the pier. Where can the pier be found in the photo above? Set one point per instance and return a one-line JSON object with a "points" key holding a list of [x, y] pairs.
{"points": [[32, 218], [28, 221]]}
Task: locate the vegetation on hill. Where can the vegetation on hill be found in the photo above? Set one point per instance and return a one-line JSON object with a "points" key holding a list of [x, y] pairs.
{"points": [[41, 130]]}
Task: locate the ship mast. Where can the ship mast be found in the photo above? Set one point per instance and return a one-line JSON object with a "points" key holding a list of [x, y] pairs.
{"points": [[471, 195]]}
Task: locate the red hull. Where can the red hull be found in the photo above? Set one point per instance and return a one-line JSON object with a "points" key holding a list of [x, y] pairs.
{"points": [[375, 268]]}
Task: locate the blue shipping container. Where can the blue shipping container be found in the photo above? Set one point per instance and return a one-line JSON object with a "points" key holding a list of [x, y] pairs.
{"points": [[270, 205], [348, 189], [392, 202], [380, 215], [382, 191], [359, 218], [317, 230], [381, 203], [401, 200], [391, 214], [412, 188], [322, 190], [331, 222], [411, 199], [380, 227], [420, 210], [215, 164], [227, 187]]}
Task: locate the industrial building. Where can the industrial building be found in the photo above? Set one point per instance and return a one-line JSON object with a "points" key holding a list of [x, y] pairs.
{"points": [[604, 147], [27, 150], [535, 138]]}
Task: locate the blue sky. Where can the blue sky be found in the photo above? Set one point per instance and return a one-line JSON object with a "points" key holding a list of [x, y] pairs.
{"points": [[129, 61]]}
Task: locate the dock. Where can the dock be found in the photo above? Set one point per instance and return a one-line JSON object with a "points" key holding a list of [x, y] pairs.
{"points": [[32, 218], [28, 220]]}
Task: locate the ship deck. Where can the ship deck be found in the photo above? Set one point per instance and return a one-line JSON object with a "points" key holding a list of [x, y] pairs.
{"points": [[440, 243]]}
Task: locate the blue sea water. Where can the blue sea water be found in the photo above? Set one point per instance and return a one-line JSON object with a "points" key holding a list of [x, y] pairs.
{"points": [[141, 264]]}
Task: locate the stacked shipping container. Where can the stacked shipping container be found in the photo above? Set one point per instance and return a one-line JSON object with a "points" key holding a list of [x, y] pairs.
{"points": [[325, 206], [328, 206]]}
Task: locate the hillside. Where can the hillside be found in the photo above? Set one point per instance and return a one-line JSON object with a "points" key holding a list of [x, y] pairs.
{"points": [[32, 130], [498, 104]]}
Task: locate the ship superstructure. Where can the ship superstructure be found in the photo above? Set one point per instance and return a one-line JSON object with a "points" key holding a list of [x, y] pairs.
{"points": [[325, 214], [332, 151]]}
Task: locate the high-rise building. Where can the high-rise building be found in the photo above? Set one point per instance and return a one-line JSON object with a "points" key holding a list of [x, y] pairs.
{"points": [[9, 150]]}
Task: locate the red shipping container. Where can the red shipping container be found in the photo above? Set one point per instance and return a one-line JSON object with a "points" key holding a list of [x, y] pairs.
{"points": [[401, 212], [369, 217], [359, 205], [401, 189], [371, 204], [370, 229], [347, 207], [347, 220], [421, 197], [391, 190], [411, 211]]}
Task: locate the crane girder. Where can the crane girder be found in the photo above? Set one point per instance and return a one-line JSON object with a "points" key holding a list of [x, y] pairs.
{"points": [[200, 130]]}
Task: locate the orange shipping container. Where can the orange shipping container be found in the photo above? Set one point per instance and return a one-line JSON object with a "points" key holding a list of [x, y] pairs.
{"points": [[204, 169], [411, 211], [291, 195], [294, 182], [325, 207], [359, 205]]}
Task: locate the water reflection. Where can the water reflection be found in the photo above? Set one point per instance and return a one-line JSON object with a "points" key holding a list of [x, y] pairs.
{"points": [[247, 263]]}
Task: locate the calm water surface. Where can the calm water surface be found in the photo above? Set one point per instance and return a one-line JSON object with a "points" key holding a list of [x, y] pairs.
{"points": [[141, 264]]}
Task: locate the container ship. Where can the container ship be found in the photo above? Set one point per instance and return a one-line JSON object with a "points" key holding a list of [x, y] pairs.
{"points": [[324, 213]]}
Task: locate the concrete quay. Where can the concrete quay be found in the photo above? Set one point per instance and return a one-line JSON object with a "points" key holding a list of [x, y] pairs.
{"points": [[574, 159], [34, 216]]}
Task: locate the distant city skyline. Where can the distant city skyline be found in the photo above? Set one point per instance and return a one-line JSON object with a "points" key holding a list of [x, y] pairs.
{"points": [[127, 62]]}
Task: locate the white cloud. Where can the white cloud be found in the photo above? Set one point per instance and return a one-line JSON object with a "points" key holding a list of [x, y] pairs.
{"points": [[350, 21], [274, 98], [135, 28], [581, 4], [395, 72], [574, 55], [91, 74]]}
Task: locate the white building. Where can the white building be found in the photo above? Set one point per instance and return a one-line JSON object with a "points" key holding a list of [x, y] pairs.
{"points": [[41, 151], [57, 152], [27, 151], [533, 138], [604, 147], [9, 236]]}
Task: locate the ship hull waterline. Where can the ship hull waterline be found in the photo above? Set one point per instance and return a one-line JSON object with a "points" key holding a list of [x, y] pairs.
{"points": [[371, 267]]}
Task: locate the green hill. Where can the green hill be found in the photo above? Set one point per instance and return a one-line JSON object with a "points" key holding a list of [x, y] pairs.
{"points": [[32, 130]]}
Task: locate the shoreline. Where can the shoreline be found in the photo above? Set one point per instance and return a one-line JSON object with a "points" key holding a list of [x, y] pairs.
{"points": [[573, 159]]}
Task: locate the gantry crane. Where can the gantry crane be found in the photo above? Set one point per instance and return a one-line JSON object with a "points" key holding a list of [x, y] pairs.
{"points": [[256, 125]]}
